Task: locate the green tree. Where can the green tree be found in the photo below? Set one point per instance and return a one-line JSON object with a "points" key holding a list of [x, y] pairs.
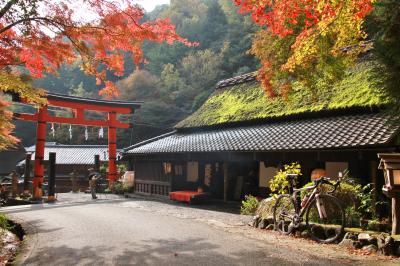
{"points": [[383, 27], [171, 83], [202, 69], [140, 85], [240, 32], [80, 91]]}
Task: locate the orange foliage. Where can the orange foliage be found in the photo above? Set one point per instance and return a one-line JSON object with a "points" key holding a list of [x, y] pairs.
{"points": [[306, 27], [43, 35], [45, 39]]}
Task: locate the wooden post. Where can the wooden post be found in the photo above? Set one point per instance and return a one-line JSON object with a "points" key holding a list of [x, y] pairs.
{"points": [[27, 174], [226, 180], [396, 214], [373, 173], [97, 163], [52, 176], [14, 182], [112, 148], [39, 154]]}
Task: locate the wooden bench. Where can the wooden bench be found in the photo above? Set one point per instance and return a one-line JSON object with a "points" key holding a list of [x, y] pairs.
{"points": [[190, 197]]}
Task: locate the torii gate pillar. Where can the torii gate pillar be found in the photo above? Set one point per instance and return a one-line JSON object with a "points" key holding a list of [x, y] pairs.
{"points": [[79, 105], [39, 153], [112, 148]]}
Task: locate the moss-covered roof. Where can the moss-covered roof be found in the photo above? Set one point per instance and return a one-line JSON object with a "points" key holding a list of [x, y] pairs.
{"points": [[362, 87]]}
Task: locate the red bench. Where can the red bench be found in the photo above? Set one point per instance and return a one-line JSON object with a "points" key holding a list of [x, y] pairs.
{"points": [[186, 196]]}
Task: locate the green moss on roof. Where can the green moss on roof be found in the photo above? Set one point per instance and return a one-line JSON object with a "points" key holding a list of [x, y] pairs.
{"points": [[362, 87]]}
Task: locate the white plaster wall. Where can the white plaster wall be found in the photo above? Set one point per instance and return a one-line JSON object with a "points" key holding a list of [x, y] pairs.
{"points": [[266, 174], [192, 171]]}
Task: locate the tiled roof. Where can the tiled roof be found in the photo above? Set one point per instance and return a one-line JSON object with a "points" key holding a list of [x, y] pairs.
{"points": [[236, 80], [349, 131], [73, 154]]}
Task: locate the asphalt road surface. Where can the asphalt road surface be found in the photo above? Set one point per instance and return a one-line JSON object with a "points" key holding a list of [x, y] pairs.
{"points": [[117, 231]]}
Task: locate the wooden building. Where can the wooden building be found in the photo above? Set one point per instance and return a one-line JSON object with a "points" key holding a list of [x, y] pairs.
{"points": [[69, 158], [234, 144]]}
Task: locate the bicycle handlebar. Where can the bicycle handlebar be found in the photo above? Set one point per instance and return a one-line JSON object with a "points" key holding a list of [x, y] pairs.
{"points": [[325, 180]]}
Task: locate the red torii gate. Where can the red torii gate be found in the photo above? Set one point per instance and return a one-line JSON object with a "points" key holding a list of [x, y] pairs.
{"points": [[79, 105]]}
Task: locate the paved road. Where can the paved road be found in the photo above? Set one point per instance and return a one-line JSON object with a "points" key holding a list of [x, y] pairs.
{"points": [[118, 231]]}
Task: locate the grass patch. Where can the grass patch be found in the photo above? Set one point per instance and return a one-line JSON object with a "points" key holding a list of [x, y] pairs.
{"points": [[4, 222]]}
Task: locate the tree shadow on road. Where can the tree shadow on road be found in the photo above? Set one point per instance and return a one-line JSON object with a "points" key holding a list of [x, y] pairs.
{"points": [[41, 207], [37, 224], [192, 251], [210, 205]]}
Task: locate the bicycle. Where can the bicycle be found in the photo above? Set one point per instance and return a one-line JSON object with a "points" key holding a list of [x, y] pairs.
{"points": [[324, 215]]}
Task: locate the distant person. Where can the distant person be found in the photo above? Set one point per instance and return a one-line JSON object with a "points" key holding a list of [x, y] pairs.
{"points": [[73, 177], [3, 192], [93, 176]]}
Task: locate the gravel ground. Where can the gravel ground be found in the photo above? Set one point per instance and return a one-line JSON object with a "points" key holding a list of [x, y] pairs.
{"points": [[118, 231], [9, 244]]}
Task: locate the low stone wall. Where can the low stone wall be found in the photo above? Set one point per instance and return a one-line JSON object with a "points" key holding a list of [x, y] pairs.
{"points": [[380, 243], [369, 242]]}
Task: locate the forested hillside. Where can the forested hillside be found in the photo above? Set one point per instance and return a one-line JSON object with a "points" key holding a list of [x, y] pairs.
{"points": [[176, 80]]}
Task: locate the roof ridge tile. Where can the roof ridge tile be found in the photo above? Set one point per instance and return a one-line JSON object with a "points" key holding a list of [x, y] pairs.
{"points": [[247, 77]]}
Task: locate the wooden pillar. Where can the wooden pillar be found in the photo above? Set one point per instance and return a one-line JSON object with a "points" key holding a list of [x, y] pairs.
{"points": [[14, 182], [226, 180], [52, 176], [39, 154], [112, 148], [27, 174], [172, 176], [396, 214], [131, 164], [97, 163], [373, 168]]}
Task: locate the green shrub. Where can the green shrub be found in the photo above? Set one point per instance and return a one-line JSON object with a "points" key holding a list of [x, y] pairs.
{"points": [[118, 188], [127, 188], [352, 216], [249, 205], [4, 223], [121, 168], [366, 207], [374, 225], [279, 184], [103, 169]]}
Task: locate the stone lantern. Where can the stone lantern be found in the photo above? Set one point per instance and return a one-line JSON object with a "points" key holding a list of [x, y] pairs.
{"points": [[390, 164]]}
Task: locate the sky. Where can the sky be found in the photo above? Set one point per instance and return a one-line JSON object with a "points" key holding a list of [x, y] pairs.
{"points": [[149, 5]]}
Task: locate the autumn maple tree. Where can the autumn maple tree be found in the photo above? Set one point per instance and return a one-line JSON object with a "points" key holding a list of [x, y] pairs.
{"points": [[304, 40], [38, 36]]}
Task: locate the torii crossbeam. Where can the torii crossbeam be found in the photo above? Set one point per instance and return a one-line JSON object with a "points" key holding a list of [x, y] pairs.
{"points": [[79, 105]]}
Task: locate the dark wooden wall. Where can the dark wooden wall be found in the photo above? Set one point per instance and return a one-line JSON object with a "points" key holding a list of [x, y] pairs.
{"points": [[149, 167]]}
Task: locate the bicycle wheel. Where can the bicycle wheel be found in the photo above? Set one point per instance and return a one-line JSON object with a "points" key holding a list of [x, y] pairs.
{"points": [[325, 219], [284, 213]]}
